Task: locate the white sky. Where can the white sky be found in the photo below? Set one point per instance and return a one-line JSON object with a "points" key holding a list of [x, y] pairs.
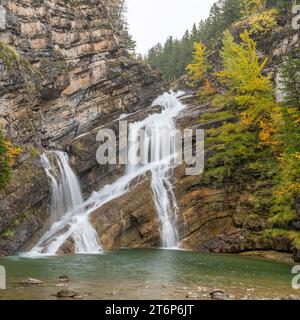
{"points": [[152, 21]]}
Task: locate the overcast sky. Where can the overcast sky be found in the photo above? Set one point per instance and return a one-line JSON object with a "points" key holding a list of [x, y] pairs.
{"points": [[152, 21]]}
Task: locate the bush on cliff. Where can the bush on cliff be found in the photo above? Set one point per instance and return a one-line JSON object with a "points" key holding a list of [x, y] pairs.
{"points": [[8, 153], [5, 169]]}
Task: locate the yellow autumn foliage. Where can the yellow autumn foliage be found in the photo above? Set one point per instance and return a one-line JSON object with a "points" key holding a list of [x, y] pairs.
{"points": [[242, 70], [197, 69], [12, 152], [246, 121], [262, 24]]}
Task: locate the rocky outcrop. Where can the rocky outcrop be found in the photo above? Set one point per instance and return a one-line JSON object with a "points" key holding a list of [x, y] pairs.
{"points": [[129, 221], [23, 206], [68, 74]]}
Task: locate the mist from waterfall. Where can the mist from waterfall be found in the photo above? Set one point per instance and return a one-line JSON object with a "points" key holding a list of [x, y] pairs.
{"points": [[159, 140]]}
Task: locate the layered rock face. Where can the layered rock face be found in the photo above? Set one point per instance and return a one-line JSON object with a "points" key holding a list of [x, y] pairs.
{"points": [[130, 221], [80, 75], [69, 74], [219, 217]]}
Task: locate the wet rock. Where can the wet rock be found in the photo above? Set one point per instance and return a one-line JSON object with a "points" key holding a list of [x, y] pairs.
{"points": [[68, 247], [63, 279], [67, 293], [134, 225], [296, 254], [31, 281], [219, 295]]}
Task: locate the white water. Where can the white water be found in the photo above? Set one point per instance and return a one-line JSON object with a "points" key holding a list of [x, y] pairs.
{"points": [[160, 132], [66, 197], [65, 191]]}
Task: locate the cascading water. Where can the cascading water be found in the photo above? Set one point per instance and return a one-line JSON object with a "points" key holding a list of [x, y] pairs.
{"points": [[159, 130], [66, 197], [160, 140], [65, 191]]}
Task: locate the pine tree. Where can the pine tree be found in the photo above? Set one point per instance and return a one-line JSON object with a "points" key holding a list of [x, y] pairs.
{"points": [[198, 68], [242, 69], [252, 6]]}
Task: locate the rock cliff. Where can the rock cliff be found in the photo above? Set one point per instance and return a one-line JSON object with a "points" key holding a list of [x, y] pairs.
{"points": [[72, 76], [64, 72]]}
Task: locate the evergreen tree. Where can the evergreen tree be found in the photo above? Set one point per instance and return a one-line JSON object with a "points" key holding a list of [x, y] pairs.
{"points": [[223, 13], [209, 32]]}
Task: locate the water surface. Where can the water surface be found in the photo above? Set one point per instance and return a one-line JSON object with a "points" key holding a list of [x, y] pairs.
{"points": [[149, 274]]}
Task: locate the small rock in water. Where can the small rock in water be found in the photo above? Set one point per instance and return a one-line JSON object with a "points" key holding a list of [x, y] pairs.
{"points": [[219, 295], [67, 293], [63, 279], [31, 281]]}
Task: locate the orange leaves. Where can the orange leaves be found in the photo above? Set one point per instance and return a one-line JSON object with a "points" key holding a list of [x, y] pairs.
{"points": [[209, 87], [266, 132], [12, 152], [246, 121]]}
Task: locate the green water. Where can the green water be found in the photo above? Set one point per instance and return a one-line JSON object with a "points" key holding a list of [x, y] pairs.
{"points": [[149, 274]]}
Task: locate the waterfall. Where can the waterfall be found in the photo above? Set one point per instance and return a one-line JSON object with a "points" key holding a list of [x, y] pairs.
{"points": [[159, 140], [66, 197], [65, 189]]}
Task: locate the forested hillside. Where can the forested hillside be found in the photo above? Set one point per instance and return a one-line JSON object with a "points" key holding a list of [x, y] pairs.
{"points": [[253, 90], [174, 55]]}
